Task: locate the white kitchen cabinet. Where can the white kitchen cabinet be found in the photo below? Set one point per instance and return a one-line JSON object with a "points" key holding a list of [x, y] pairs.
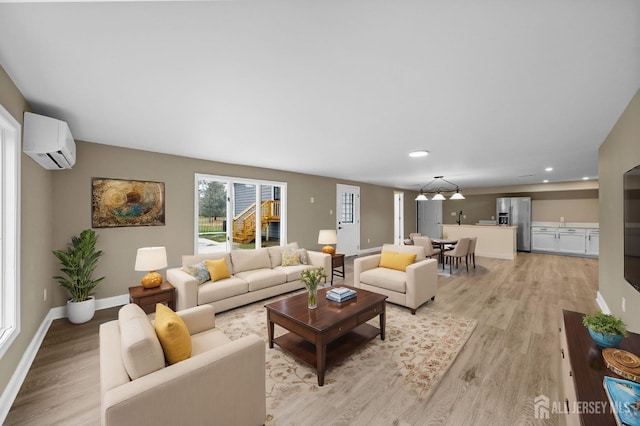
{"points": [[544, 238], [572, 240], [593, 242]]}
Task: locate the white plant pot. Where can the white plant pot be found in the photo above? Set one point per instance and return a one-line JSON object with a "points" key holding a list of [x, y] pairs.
{"points": [[81, 312]]}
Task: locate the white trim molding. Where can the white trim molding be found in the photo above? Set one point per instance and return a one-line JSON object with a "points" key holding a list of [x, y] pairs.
{"points": [[13, 387], [602, 303]]}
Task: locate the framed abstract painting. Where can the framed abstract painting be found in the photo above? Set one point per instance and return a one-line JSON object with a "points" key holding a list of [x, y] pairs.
{"points": [[119, 202]]}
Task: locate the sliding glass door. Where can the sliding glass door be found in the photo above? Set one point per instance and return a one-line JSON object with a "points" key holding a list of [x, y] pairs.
{"points": [[236, 213]]}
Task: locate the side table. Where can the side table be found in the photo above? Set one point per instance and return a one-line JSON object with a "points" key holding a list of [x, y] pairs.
{"points": [[337, 261], [147, 298]]}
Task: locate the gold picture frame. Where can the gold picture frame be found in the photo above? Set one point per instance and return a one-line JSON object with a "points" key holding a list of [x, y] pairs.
{"points": [[120, 202]]}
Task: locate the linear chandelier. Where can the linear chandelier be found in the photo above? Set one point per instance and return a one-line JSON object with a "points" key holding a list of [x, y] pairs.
{"points": [[436, 187]]}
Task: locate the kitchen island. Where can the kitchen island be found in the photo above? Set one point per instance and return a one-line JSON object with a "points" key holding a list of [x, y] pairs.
{"points": [[493, 240]]}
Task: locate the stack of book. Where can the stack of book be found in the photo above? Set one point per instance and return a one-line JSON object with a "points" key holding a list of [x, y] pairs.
{"points": [[340, 294]]}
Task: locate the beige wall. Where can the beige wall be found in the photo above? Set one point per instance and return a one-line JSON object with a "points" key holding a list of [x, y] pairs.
{"points": [[619, 153], [574, 205], [72, 208], [35, 240], [56, 205]]}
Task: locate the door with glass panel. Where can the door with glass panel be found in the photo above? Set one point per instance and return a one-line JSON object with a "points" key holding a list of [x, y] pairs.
{"points": [[348, 219]]}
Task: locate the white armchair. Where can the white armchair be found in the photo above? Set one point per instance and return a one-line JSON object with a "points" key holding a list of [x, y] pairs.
{"points": [[410, 288], [222, 383]]}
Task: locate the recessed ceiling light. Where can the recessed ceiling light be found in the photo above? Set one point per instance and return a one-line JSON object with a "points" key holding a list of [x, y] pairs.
{"points": [[545, 181], [585, 178], [419, 153], [548, 169]]}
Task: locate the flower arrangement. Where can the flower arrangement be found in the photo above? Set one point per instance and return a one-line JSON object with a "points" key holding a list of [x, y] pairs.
{"points": [[311, 278]]}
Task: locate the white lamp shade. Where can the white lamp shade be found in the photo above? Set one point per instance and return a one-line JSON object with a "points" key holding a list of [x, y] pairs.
{"points": [[421, 197], [438, 196], [151, 258], [457, 196], [327, 236]]}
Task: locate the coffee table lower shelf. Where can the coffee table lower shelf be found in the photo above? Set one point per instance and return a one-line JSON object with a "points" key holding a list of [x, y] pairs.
{"points": [[336, 349]]}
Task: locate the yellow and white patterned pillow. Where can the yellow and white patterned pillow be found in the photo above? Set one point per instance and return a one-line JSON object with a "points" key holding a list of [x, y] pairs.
{"points": [[291, 258]]}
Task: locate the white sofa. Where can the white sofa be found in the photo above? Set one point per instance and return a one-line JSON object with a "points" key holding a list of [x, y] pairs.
{"points": [[255, 275], [221, 383], [410, 288]]}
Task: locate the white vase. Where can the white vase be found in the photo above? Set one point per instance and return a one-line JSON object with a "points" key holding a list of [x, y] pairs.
{"points": [[80, 312]]}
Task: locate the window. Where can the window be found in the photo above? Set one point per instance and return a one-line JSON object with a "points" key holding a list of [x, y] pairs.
{"points": [[9, 232], [347, 207], [235, 213]]}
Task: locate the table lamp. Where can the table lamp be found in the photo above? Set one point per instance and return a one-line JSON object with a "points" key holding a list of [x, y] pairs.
{"points": [[149, 259], [328, 237]]}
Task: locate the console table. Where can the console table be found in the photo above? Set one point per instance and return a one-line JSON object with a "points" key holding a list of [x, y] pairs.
{"points": [[583, 370]]}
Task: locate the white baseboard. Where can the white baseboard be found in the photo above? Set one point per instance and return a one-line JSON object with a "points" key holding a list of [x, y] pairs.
{"points": [[13, 387], [602, 303]]}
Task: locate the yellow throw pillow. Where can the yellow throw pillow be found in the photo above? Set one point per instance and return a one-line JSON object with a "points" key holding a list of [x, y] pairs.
{"points": [[173, 334], [399, 261], [217, 269]]}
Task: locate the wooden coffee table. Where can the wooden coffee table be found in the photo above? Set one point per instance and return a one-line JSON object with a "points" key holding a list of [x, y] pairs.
{"points": [[328, 333]]}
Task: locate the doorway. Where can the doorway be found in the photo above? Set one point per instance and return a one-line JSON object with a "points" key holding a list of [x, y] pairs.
{"points": [[398, 218], [429, 218], [348, 219]]}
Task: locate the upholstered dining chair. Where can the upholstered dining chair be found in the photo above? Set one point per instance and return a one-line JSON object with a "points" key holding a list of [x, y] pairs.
{"points": [[426, 242], [459, 251], [412, 235], [471, 252]]}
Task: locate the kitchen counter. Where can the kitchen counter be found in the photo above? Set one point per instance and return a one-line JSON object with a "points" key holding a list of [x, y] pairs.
{"points": [[493, 240], [581, 225]]}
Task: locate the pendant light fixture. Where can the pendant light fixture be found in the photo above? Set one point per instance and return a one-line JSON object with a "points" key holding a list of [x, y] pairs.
{"points": [[436, 187]]}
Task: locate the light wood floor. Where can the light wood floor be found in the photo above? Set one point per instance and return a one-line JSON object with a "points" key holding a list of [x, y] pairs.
{"points": [[512, 356]]}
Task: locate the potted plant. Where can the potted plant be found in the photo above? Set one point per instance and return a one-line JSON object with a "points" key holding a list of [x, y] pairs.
{"points": [[605, 329], [311, 278], [78, 262]]}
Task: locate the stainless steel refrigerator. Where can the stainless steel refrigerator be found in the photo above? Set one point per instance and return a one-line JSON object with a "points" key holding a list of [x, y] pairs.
{"points": [[516, 211]]}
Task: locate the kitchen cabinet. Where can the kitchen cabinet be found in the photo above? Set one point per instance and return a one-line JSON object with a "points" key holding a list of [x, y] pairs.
{"points": [[572, 240], [544, 238], [593, 242]]}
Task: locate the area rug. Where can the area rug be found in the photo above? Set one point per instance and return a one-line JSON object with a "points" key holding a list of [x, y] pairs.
{"points": [[416, 353]]}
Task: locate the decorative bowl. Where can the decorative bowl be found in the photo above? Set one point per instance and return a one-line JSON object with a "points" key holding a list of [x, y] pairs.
{"points": [[605, 340]]}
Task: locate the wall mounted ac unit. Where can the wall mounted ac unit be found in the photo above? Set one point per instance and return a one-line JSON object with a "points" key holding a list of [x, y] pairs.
{"points": [[49, 142]]}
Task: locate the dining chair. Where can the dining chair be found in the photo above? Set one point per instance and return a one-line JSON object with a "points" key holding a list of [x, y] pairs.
{"points": [[471, 253], [426, 242], [459, 251], [412, 235]]}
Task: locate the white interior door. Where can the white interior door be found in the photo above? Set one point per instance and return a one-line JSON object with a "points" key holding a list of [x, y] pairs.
{"points": [[398, 218], [348, 219], [430, 218]]}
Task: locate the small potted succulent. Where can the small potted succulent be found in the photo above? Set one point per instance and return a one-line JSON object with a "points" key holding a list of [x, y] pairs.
{"points": [[605, 329]]}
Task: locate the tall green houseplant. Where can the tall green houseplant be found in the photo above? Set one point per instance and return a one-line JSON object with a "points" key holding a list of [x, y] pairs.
{"points": [[78, 262]]}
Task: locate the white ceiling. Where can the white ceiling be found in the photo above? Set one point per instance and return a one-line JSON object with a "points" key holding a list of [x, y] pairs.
{"points": [[495, 90]]}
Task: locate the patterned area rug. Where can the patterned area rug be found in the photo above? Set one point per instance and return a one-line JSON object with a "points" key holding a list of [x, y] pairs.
{"points": [[416, 353]]}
